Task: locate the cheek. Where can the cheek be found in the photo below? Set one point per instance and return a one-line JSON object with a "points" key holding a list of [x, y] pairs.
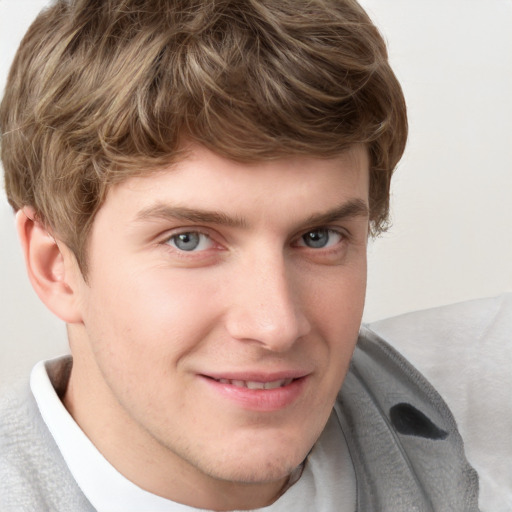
{"points": [[336, 309], [337, 296], [155, 314], [139, 328]]}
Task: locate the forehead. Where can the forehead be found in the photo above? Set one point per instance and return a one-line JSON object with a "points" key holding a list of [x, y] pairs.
{"points": [[208, 181]]}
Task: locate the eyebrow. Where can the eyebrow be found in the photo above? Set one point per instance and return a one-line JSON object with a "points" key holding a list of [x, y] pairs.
{"points": [[164, 211], [351, 209], [348, 210]]}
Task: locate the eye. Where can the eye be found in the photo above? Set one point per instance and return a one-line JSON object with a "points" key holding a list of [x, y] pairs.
{"points": [[320, 238], [190, 241]]}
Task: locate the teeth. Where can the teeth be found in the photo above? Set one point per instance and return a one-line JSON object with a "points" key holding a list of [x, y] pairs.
{"points": [[276, 384], [257, 385]]}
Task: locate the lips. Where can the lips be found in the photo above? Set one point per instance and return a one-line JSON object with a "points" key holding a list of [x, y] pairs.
{"points": [[257, 392]]}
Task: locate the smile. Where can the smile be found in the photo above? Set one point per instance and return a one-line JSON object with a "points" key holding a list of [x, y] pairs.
{"points": [[256, 393], [250, 384]]}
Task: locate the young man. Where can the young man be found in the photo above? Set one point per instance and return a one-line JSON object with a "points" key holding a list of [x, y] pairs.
{"points": [[195, 183]]}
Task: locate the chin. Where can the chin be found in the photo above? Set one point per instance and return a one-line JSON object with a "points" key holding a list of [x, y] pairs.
{"points": [[264, 472], [262, 462]]}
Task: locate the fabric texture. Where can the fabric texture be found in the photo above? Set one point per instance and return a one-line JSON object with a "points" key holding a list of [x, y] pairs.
{"points": [[405, 447], [403, 439], [33, 475], [465, 351]]}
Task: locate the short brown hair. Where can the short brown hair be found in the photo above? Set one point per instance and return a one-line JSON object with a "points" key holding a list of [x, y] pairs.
{"points": [[100, 91]]}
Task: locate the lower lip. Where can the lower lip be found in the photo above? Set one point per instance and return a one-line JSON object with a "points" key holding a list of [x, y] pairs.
{"points": [[261, 400]]}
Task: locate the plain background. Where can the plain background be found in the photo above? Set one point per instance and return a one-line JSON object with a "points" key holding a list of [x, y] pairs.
{"points": [[451, 238]]}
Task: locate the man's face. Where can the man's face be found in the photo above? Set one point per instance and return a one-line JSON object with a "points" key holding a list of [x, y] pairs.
{"points": [[220, 312]]}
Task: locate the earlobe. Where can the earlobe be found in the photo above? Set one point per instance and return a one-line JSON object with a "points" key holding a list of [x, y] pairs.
{"points": [[49, 267]]}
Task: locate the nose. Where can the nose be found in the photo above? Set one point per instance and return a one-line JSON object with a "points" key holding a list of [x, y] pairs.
{"points": [[266, 305]]}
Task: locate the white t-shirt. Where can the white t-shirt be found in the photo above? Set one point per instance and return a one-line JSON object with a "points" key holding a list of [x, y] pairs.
{"points": [[327, 481]]}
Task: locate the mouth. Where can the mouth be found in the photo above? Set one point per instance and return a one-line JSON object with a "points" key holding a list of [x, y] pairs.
{"points": [[258, 393]]}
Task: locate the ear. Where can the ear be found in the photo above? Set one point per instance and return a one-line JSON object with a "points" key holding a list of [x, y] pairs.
{"points": [[51, 267]]}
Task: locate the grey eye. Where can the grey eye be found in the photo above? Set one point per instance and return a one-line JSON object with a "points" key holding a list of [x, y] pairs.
{"points": [[320, 238], [316, 239], [186, 241]]}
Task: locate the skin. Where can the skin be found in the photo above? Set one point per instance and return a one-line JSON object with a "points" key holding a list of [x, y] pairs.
{"points": [[257, 297]]}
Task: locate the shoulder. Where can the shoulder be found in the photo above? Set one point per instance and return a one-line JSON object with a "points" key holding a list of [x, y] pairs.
{"points": [[18, 413], [18, 446], [402, 437], [465, 351], [397, 387], [33, 474]]}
